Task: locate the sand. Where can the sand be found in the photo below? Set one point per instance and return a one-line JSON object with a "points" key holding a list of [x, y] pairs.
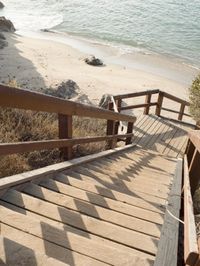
{"points": [[38, 63]]}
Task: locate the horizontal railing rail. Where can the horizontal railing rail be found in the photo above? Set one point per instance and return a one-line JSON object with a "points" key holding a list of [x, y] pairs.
{"points": [[28, 100], [148, 103]]}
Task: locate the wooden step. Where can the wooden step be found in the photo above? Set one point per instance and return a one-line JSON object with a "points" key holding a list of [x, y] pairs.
{"points": [[134, 199], [14, 253], [99, 200], [104, 229], [117, 185], [93, 211], [66, 240], [76, 231]]}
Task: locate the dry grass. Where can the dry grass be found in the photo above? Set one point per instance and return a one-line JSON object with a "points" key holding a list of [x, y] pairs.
{"points": [[19, 125]]}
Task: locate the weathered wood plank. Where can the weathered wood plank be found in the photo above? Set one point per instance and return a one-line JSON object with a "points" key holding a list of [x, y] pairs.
{"points": [[12, 97], [99, 200], [14, 253], [89, 224], [14, 180], [135, 200], [93, 211], [22, 147], [79, 232], [168, 245], [191, 252]]}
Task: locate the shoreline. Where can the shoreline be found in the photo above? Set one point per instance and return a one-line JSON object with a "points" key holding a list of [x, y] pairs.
{"points": [[40, 60], [172, 68]]}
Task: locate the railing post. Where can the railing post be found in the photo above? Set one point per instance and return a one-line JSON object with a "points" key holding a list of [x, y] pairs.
{"points": [[111, 129], [147, 101], [159, 104], [194, 170], [65, 132], [129, 130], [181, 112], [119, 104]]}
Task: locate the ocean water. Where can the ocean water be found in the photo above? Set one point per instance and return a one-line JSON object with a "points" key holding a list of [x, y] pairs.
{"points": [[170, 27]]}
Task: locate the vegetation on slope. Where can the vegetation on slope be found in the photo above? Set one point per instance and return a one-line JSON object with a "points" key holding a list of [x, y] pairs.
{"points": [[194, 95], [19, 125]]}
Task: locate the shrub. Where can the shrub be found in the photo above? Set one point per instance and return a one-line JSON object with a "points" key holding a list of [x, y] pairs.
{"points": [[194, 95]]}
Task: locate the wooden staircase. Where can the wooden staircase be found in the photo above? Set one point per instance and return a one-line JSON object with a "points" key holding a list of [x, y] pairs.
{"points": [[105, 211], [117, 207]]}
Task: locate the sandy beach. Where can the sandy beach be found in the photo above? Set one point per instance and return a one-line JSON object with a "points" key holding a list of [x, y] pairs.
{"points": [[38, 63]]}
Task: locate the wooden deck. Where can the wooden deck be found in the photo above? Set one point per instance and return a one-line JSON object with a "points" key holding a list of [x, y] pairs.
{"points": [[106, 210], [162, 135]]}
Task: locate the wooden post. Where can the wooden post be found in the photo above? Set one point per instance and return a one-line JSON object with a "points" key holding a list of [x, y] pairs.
{"points": [[119, 104], [159, 104], [129, 130], [65, 132], [190, 151], [194, 171], [181, 112], [111, 129], [147, 101]]}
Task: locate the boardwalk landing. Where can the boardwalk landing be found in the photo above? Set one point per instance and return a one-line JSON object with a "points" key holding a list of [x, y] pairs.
{"points": [[105, 211], [162, 135]]}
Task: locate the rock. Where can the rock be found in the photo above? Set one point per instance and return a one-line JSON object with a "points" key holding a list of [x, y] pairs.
{"points": [[93, 61], [3, 44], [1, 5], [6, 25], [2, 37], [105, 100], [66, 90]]}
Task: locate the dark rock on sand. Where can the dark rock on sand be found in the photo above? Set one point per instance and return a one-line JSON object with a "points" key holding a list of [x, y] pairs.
{"points": [[93, 61], [6, 25], [1, 5], [3, 42], [66, 90]]}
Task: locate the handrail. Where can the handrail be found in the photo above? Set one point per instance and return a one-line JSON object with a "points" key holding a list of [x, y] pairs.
{"points": [[191, 183], [148, 103], [21, 147], [28, 100]]}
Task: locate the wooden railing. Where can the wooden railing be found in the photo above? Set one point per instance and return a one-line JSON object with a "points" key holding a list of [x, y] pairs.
{"points": [[28, 100], [191, 182], [158, 103]]}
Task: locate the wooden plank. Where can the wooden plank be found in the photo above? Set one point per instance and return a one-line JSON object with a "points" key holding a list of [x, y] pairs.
{"points": [[115, 176], [151, 194], [65, 132], [194, 171], [110, 216], [168, 245], [135, 200], [22, 147], [160, 102], [175, 99], [79, 232], [194, 136], [126, 174], [14, 253], [12, 97], [181, 112], [99, 200], [88, 224], [67, 240], [129, 131], [147, 101], [135, 94], [191, 252], [14, 180], [146, 105]]}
